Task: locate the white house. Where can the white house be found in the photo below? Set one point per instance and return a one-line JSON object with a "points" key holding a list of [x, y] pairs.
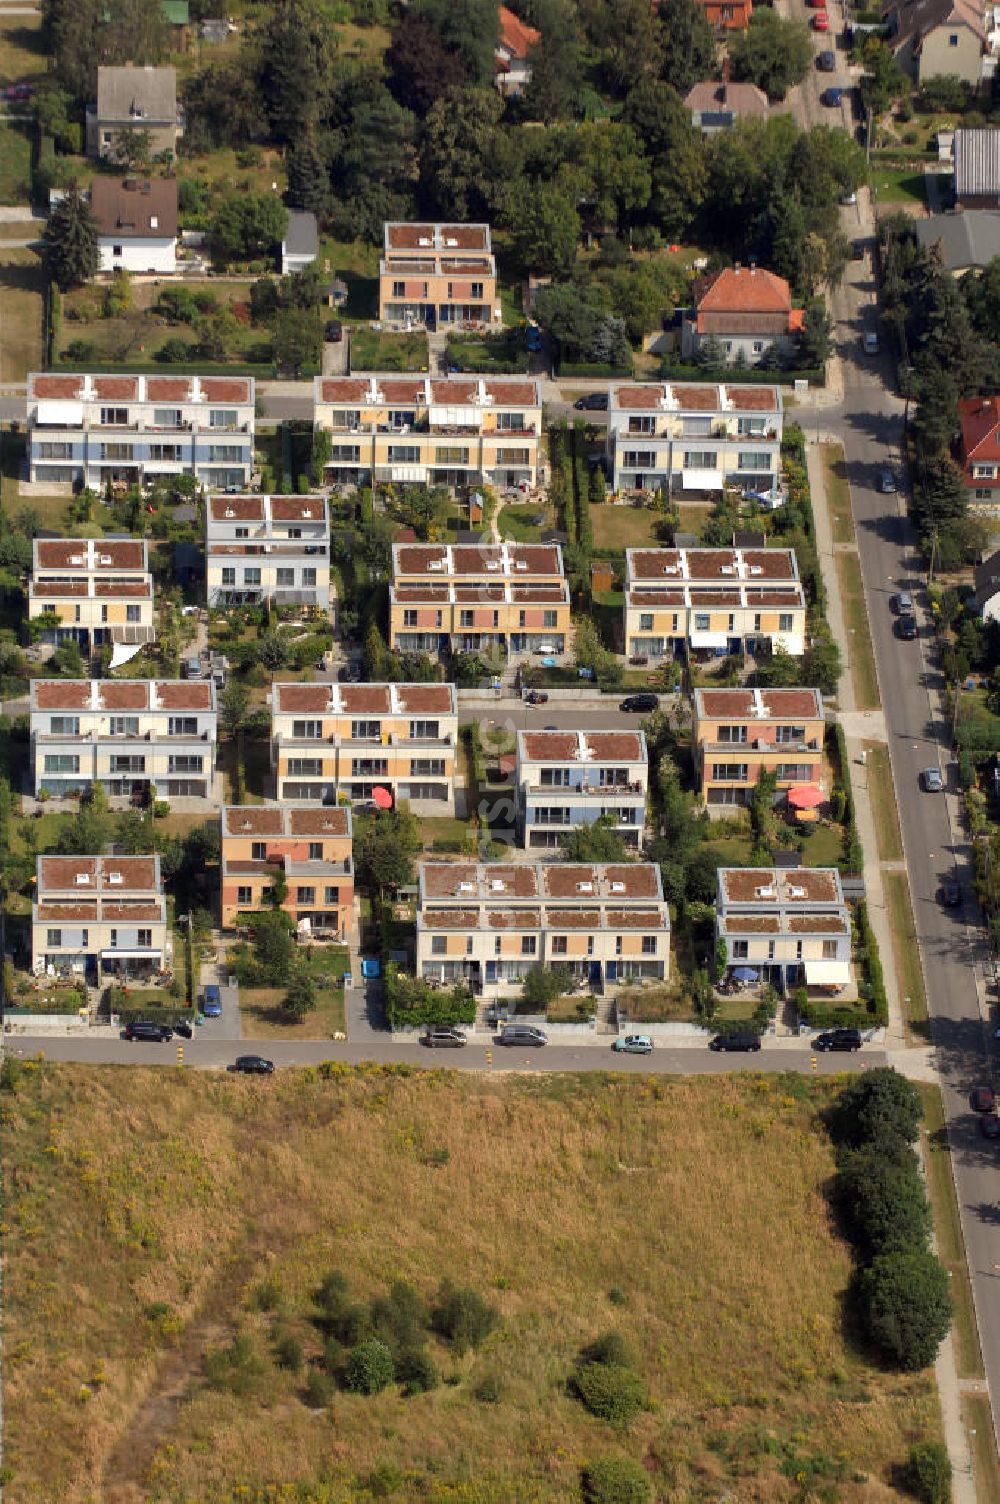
{"points": [[300, 246], [137, 224]]}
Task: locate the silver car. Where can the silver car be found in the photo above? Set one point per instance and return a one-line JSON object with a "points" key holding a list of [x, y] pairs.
{"points": [[932, 781]]}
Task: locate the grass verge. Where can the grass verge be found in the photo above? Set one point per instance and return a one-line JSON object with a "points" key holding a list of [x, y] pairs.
{"points": [[906, 953], [978, 1419], [898, 185], [261, 1011], [882, 795], [838, 493], [21, 292], [852, 595], [948, 1232]]}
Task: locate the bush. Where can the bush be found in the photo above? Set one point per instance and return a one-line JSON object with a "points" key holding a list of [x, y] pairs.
{"points": [[928, 1473], [236, 1367], [462, 1318], [616, 1480], [370, 1368], [879, 1106], [489, 1388], [318, 1389], [611, 1348], [401, 1319], [609, 1391], [288, 1352], [905, 1306], [884, 1201], [417, 1371]]}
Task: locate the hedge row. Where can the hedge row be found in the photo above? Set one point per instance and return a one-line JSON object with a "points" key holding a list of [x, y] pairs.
{"points": [[672, 370]]}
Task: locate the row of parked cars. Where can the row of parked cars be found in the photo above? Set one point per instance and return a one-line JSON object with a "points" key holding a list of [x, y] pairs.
{"points": [[640, 1044]]}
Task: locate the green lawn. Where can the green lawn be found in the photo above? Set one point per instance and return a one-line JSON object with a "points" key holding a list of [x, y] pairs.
{"points": [[22, 52], [374, 350], [355, 262], [21, 285], [517, 522], [625, 527], [906, 954], [260, 1007], [138, 335], [898, 185], [852, 594], [883, 801], [948, 1233], [824, 845], [838, 493]]}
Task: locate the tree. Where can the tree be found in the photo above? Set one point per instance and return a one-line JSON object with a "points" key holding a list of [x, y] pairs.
{"points": [[883, 1199], [687, 45], [425, 509], [816, 342], [374, 160], [880, 1106], [419, 67], [374, 654], [675, 148], [553, 89], [90, 830], [544, 227], [295, 49], [905, 1306], [462, 1318], [370, 1368], [543, 984], [132, 148], [273, 947], [133, 31], [589, 652], [234, 705], [821, 663], [385, 847], [247, 225], [882, 78], [928, 1472], [300, 999], [616, 1480], [599, 842], [614, 174], [308, 175], [456, 150], [468, 28], [772, 53], [297, 338], [69, 242]]}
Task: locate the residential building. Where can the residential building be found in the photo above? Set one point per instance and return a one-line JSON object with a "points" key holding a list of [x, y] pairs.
{"points": [[718, 106], [339, 742], [986, 576], [133, 99], [460, 431], [310, 844], [966, 241], [487, 925], [103, 918], [977, 168], [790, 925], [728, 15], [98, 590], [746, 311], [739, 734], [515, 41], [463, 598], [136, 737], [720, 600], [693, 437], [300, 246], [436, 274], [122, 431], [937, 38], [980, 421], [267, 548], [566, 779], [136, 223]]}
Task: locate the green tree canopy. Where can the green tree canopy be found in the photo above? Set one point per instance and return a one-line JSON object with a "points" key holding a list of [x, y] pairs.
{"points": [[687, 44], [905, 1305], [69, 242], [456, 149], [772, 53]]}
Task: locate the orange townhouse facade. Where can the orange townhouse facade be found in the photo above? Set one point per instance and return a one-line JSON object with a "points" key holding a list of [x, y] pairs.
{"points": [[738, 734], [311, 845]]}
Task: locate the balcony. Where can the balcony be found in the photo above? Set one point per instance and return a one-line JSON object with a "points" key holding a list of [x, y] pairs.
{"points": [[605, 791]]}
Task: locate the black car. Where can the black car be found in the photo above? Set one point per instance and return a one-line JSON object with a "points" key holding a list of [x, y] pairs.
{"points": [[738, 1039], [334, 331], [982, 1099], [443, 1039], [593, 402], [184, 1028], [253, 1065], [639, 702], [950, 892], [858, 248], [521, 1034], [142, 1029], [906, 628], [826, 61], [838, 1039], [989, 1125]]}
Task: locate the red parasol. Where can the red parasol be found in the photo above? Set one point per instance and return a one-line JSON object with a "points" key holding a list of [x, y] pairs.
{"points": [[382, 798], [805, 796]]}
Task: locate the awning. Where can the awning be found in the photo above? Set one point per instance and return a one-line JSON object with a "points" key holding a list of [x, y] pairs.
{"points": [[827, 973], [701, 480], [131, 955], [709, 639]]}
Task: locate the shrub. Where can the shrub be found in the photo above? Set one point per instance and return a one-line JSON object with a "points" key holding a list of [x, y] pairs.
{"points": [[462, 1318], [879, 1106], [370, 1368], [609, 1391], [928, 1473], [616, 1480], [236, 1367], [417, 1371], [905, 1306], [331, 1299], [611, 1348], [267, 1295], [884, 1201], [318, 1389], [288, 1352], [401, 1319], [489, 1388]]}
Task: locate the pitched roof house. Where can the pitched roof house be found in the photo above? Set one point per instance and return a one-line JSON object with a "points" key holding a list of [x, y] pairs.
{"points": [[138, 99], [969, 241], [933, 38], [512, 67], [980, 420], [746, 309], [137, 224], [977, 169], [717, 106], [728, 15]]}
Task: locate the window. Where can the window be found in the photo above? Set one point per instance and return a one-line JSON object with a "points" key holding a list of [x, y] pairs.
{"points": [[182, 725], [497, 946], [983, 472], [186, 763], [953, 39], [372, 766], [114, 417], [477, 289], [513, 457], [649, 945], [552, 814], [702, 621], [645, 621], [451, 454], [366, 730], [133, 613], [258, 851], [229, 577], [54, 451], [222, 417], [423, 730], [284, 577], [550, 618], [559, 945], [639, 459], [116, 451], [244, 895], [402, 417], [166, 417], [399, 289], [345, 454], [590, 945], [785, 621], [404, 454], [331, 895], [251, 576], [64, 725], [700, 459], [754, 459], [305, 895], [346, 421], [729, 772], [427, 767], [123, 725], [307, 730], [54, 938], [511, 422], [315, 851], [528, 945], [645, 424], [740, 949], [732, 734], [785, 734], [144, 938], [409, 618], [751, 427], [613, 778], [226, 453], [758, 346], [554, 778], [122, 764], [829, 950], [439, 945], [305, 767], [618, 945], [169, 452], [466, 618], [116, 250], [84, 938]]}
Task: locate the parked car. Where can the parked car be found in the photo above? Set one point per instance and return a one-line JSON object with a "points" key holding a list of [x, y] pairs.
{"points": [[593, 402], [821, 21], [333, 331], [989, 1125], [932, 781], [838, 1039], [906, 628], [858, 248], [950, 892], [869, 343], [150, 1033], [736, 1039], [521, 1034], [849, 198], [443, 1039], [902, 603], [193, 668], [533, 338], [536, 697], [253, 1065], [211, 1001], [642, 703], [832, 97], [826, 61], [633, 1044], [887, 483], [184, 1028], [982, 1099]]}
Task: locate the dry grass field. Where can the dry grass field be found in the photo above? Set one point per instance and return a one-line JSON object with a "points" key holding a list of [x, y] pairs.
{"points": [[152, 1216]]}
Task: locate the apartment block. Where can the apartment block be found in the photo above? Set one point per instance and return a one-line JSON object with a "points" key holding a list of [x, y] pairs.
{"points": [[100, 917], [333, 742], [136, 737], [738, 734], [570, 778], [718, 600], [789, 925], [509, 597], [694, 439], [99, 589], [434, 274], [457, 431], [488, 925], [267, 548], [310, 844], [122, 431]]}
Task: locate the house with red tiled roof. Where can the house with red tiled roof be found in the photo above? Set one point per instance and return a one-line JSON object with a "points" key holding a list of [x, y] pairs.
{"points": [[728, 15], [747, 310], [515, 42], [980, 420], [566, 779], [100, 917]]}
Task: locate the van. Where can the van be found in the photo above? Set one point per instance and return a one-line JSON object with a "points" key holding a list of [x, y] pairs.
{"points": [[522, 1034]]}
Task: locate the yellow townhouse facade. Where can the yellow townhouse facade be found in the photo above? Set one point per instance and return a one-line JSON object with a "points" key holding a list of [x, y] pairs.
{"points": [[100, 917], [92, 591], [716, 600], [791, 926], [438, 276], [310, 844]]}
